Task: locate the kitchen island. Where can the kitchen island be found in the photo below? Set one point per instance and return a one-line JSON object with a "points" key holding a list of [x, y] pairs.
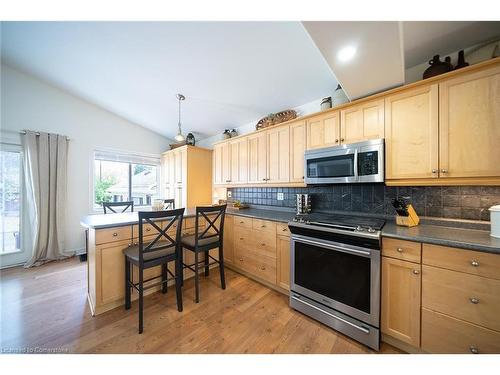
{"points": [[108, 235]]}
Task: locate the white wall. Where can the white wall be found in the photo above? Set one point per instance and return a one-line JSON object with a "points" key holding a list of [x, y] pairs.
{"points": [[302, 110], [29, 103]]}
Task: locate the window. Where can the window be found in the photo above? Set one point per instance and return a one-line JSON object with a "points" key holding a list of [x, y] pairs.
{"points": [[10, 201], [119, 178]]}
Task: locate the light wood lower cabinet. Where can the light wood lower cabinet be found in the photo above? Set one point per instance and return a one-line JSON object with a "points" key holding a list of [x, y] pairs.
{"points": [[447, 335], [400, 297], [262, 250], [283, 249]]}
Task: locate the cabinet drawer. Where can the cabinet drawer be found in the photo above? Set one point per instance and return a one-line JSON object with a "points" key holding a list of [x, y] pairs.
{"points": [[264, 243], [472, 298], [245, 222], [400, 249], [473, 262], [264, 225], [148, 229], [282, 229], [259, 265], [444, 334], [242, 238], [113, 234]]}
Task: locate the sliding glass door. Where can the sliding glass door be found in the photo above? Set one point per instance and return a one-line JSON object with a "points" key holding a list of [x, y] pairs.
{"points": [[11, 250]]}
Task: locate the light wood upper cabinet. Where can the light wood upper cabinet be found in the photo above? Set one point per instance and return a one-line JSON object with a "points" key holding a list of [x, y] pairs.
{"points": [[297, 148], [257, 158], [469, 125], [362, 122], [180, 165], [401, 293], [221, 161], [411, 134], [278, 154], [238, 161], [323, 130]]}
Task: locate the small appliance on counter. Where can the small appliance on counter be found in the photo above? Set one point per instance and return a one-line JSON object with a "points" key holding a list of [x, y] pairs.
{"points": [[303, 204], [495, 221], [406, 215]]}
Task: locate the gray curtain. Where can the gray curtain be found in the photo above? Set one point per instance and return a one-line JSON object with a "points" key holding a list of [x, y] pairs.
{"points": [[45, 169]]}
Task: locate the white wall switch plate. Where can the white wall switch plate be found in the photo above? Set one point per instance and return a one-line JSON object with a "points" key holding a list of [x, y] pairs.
{"points": [[280, 196], [229, 194]]}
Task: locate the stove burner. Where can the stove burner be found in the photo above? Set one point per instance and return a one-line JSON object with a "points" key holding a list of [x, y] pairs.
{"points": [[349, 223]]}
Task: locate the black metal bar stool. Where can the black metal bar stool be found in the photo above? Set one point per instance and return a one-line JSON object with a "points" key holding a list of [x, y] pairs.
{"points": [[124, 206], [205, 240], [160, 251]]}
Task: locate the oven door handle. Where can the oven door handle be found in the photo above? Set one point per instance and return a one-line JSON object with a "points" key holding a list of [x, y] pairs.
{"points": [[333, 247], [362, 329]]}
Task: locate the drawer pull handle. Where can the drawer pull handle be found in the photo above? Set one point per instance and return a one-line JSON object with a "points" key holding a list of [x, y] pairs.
{"points": [[241, 222], [263, 268], [284, 230], [263, 226], [399, 250], [473, 349], [148, 229], [416, 272], [115, 234], [263, 244], [473, 300], [241, 259], [474, 263], [241, 238]]}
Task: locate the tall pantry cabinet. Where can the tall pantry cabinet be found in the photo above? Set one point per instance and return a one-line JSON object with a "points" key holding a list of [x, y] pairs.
{"points": [[187, 176]]}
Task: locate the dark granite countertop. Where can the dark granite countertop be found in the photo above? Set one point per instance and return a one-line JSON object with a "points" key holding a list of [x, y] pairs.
{"points": [[258, 213], [101, 221], [464, 238], [471, 239]]}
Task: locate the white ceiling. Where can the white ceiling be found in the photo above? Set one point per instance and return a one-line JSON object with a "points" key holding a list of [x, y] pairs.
{"points": [[378, 63], [230, 72]]}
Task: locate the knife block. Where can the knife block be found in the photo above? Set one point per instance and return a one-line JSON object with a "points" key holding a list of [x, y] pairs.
{"points": [[411, 220]]}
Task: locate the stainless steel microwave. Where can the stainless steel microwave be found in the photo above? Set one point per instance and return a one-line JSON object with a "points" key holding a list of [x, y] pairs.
{"points": [[350, 163]]}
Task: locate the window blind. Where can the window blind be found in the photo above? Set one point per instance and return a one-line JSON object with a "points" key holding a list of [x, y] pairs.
{"points": [[126, 158]]}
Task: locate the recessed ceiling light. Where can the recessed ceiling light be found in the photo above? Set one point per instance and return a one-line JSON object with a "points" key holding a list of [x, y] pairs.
{"points": [[346, 53]]}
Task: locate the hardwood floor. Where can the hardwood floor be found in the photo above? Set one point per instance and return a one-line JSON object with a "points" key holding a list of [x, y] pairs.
{"points": [[46, 308]]}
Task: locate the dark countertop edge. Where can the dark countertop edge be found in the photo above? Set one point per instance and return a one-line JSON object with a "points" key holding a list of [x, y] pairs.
{"points": [[445, 242]]}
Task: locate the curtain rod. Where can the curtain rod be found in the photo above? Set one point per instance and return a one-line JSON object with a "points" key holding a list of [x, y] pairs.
{"points": [[38, 133]]}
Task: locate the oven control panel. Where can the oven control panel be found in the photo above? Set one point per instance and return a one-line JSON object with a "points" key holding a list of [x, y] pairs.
{"points": [[367, 163]]}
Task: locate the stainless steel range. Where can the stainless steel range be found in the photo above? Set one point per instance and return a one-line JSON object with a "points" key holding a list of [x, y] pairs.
{"points": [[335, 273]]}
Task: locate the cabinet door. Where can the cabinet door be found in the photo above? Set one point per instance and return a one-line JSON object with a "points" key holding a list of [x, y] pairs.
{"points": [[239, 161], [217, 164], [323, 130], [257, 158], [180, 166], [283, 247], [228, 240], [411, 134], [297, 149], [180, 196], [111, 272], [278, 151], [164, 180], [401, 291], [362, 122], [171, 168], [469, 125]]}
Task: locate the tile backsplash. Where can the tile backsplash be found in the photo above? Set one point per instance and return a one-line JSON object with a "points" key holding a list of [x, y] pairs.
{"points": [[454, 202]]}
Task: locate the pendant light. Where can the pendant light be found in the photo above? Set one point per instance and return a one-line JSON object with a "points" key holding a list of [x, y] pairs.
{"points": [[180, 137]]}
